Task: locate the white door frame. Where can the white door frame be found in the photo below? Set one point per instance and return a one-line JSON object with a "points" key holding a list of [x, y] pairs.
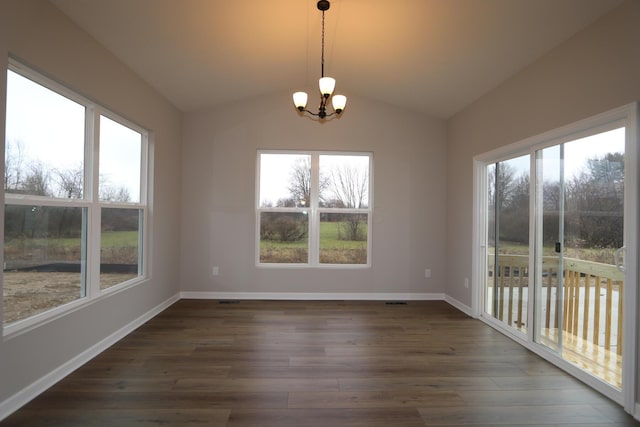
{"points": [[628, 116]]}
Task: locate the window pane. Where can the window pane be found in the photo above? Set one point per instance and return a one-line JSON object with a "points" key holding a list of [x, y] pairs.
{"points": [[285, 180], [581, 207], [344, 181], [44, 259], [284, 237], [120, 255], [120, 160], [44, 152], [507, 288], [343, 238]]}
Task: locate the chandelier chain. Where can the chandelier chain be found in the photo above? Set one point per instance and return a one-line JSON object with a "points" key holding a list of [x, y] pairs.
{"points": [[322, 62]]}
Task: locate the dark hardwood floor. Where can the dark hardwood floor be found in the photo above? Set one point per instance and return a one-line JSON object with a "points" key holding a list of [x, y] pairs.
{"points": [[294, 363]]}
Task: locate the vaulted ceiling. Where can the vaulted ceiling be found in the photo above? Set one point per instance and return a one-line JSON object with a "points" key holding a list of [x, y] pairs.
{"points": [[431, 56]]}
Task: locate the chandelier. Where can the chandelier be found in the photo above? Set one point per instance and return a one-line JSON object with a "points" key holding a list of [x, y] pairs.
{"points": [[327, 84]]}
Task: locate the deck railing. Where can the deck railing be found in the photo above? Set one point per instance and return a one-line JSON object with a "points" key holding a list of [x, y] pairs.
{"points": [[592, 300]]}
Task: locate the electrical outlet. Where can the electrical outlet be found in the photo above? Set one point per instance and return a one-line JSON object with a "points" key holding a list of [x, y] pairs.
{"points": [[215, 271], [427, 273], [466, 282]]}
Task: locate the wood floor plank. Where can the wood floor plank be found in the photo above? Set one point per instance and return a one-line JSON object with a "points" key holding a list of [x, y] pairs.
{"points": [[88, 401], [264, 385], [123, 417], [78, 383], [558, 380], [513, 415], [375, 399], [417, 383], [403, 417], [170, 367], [317, 363], [531, 397]]}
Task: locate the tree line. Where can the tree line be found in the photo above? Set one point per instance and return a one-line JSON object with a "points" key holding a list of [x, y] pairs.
{"points": [[35, 178], [593, 204]]}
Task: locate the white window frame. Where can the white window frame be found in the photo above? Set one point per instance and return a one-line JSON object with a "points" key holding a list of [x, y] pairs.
{"points": [[314, 211], [91, 202]]}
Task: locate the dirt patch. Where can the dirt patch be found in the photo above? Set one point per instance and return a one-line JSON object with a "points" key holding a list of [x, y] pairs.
{"points": [[30, 293]]}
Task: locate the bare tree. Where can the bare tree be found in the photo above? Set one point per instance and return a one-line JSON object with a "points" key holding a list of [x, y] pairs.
{"points": [[300, 184], [71, 182], [114, 194], [502, 182], [349, 187], [37, 182], [13, 165], [123, 195]]}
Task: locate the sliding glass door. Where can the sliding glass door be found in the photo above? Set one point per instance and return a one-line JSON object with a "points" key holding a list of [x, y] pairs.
{"points": [[579, 241], [556, 247]]}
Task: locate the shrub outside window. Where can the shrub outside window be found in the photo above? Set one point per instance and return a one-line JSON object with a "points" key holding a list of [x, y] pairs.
{"points": [[313, 208], [75, 200]]}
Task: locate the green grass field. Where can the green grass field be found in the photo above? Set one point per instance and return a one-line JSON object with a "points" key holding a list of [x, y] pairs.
{"points": [[328, 239], [116, 246], [332, 249], [119, 238], [603, 255]]}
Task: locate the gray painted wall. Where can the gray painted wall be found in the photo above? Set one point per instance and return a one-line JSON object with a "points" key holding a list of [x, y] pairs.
{"points": [[38, 34], [218, 193]]}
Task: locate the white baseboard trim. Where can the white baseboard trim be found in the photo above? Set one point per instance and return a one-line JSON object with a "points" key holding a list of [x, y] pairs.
{"points": [[25, 395], [460, 306], [636, 413], [309, 296]]}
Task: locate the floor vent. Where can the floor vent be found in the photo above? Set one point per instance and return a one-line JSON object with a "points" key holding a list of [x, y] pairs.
{"points": [[229, 302], [396, 303]]}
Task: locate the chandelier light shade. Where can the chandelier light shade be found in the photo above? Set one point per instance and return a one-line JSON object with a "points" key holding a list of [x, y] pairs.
{"points": [[326, 85], [339, 102], [300, 100]]}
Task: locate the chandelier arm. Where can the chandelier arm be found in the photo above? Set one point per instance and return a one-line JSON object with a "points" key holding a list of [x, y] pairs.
{"points": [[310, 112], [326, 116]]}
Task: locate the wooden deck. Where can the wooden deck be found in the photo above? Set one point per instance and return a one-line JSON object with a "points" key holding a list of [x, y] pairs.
{"points": [[318, 364], [592, 307], [594, 359]]}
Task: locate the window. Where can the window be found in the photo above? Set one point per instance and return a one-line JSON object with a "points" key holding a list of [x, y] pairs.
{"points": [[313, 208], [75, 200]]}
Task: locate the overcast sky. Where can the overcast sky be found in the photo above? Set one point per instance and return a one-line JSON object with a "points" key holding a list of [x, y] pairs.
{"points": [[49, 129], [576, 154], [276, 168]]}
